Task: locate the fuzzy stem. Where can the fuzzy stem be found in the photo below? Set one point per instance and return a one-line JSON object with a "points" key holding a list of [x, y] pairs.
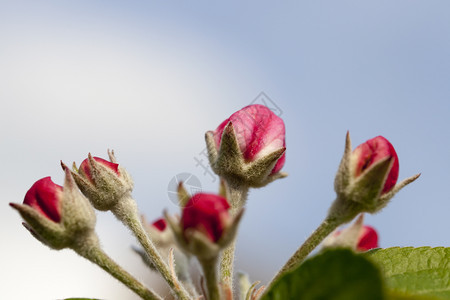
{"points": [[92, 252], [209, 267], [128, 214], [237, 196], [182, 271], [324, 229]]}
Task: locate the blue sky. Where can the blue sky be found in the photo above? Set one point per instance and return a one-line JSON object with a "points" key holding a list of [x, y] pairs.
{"points": [[149, 78]]}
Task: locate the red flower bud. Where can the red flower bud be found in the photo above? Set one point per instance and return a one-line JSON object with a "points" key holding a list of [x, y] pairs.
{"points": [[58, 217], [85, 167], [44, 196], [160, 224], [371, 152], [368, 239], [104, 183], [207, 213], [357, 236], [259, 132], [366, 179]]}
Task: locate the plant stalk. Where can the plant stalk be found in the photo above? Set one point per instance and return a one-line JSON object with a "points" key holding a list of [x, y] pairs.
{"points": [[128, 214], [324, 229], [92, 252], [209, 267], [237, 196]]}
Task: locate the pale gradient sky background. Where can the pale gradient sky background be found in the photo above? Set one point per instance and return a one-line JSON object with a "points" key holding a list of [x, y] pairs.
{"points": [[148, 79]]}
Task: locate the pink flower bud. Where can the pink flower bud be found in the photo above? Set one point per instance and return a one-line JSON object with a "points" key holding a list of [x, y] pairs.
{"points": [[368, 239], [58, 217], [160, 224], [357, 236], [44, 196], [159, 232], [373, 151], [207, 213], [104, 183], [85, 167], [366, 179], [259, 132]]}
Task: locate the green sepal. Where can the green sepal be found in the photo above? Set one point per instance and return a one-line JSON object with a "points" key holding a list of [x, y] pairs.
{"points": [[183, 195], [366, 189], [342, 179]]}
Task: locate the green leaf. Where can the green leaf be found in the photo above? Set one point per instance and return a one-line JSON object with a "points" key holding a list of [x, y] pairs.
{"points": [[337, 274], [421, 271], [392, 295]]}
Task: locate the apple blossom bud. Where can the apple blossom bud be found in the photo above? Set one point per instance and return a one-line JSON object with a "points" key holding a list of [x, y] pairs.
{"points": [[44, 196], [160, 224], [206, 226], [159, 232], [207, 213], [258, 131], [357, 236], [204, 230], [58, 217], [366, 178], [373, 151], [368, 239], [86, 168], [103, 182], [249, 146]]}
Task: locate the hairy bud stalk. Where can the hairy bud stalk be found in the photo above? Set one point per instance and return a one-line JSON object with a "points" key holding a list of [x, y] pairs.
{"points": [[204, 230]]}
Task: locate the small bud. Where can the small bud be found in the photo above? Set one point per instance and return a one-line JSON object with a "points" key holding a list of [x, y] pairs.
{"points": [[206, 225], [368, 239], [372, 152], [357, 236], [248, 147], [160, 225], [58, 217], [44, 196], [207, 213], [103, 182], [159, 232], [366, 179]]}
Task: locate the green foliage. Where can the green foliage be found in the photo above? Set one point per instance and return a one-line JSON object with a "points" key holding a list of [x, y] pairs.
{"points": [[392, 295], [337, 274], [421, 271]]}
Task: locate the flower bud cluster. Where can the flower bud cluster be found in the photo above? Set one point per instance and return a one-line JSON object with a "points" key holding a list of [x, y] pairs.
{"points": [[65, 218], [247, 150]]}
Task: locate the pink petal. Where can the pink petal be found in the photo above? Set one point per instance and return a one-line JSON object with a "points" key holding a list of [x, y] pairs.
{"points": [[45, 196]]}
